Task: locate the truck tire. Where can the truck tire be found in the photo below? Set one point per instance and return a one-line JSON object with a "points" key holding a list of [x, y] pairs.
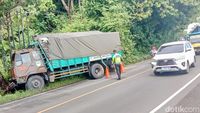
{"points": [[96, 71], [35, 82]]}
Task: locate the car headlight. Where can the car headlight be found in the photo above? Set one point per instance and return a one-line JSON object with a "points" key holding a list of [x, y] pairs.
{"points": [[154, 62]]}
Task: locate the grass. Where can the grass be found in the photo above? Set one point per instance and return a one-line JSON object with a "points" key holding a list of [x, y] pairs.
{"points": [[26, 93], [138, 58]]}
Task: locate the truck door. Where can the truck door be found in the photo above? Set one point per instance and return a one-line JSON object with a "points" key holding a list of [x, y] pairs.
{"points": [[22, 65]]}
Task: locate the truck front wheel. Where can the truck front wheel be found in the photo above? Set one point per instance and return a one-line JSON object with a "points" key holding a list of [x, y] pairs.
{"points": [[35, 82], [97, 71]]}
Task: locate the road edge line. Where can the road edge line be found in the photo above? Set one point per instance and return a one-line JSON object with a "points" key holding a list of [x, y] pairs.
{"points": [[88, 93], [173, 95]]}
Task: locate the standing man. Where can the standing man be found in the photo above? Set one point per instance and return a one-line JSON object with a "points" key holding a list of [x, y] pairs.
{"points": [[153, 50], [116, 60]]}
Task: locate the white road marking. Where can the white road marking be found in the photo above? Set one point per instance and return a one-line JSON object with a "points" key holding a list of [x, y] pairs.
{"points": [[175, 94], [16, 103], [91, 92]]}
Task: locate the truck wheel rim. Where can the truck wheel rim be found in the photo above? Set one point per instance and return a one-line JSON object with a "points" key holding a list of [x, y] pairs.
{"points": [[36, 83], [97, 70]]}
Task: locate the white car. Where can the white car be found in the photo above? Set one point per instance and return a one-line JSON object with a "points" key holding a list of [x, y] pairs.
{"points": [[174, 56]]}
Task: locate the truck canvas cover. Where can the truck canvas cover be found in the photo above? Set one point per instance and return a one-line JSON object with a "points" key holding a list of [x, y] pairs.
{"points": [[193, 27], [79, 44]]}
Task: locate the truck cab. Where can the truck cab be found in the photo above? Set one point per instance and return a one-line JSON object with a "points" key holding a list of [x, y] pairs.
{"points": [[193, 35], [28, 68], [195, 40]]}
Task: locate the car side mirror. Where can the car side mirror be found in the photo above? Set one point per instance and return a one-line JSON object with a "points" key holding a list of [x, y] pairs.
{"points": [[189, 49]]}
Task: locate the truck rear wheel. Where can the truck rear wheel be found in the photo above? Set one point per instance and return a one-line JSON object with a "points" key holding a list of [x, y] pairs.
{"points": [[35, 82], [97, 71]]}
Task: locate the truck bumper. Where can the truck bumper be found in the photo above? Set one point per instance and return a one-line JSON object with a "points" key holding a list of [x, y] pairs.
{"points": [[20, 80], [197, 51]]}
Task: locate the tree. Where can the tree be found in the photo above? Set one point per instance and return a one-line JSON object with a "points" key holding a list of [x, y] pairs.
{"points": [[140, 23], [70, 7], [66, 7]]}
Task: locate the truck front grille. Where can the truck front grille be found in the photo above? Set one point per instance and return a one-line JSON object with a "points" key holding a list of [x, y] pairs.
{"points": [[166, 62]]}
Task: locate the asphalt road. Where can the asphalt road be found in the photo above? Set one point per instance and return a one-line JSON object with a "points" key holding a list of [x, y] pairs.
{"points": [[139, 91]]}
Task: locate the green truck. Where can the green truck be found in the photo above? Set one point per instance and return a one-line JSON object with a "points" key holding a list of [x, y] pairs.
{"points": [[58, 55]]}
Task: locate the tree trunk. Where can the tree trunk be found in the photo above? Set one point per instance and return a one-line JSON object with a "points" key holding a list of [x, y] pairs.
{"points": [[79, 3], [12, 32], [72, 5], [1, 1], [69, 5], [8, 28], [18, 28], [22, 28], [66, 7]]}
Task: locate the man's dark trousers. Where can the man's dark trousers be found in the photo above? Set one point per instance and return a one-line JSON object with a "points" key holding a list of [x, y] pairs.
{"points": [[117, 67]]}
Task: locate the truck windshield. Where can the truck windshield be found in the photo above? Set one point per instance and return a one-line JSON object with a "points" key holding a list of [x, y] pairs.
{"points": [[178, 48], [18, 60], [195, 40], [26, 58], [22, 59]]}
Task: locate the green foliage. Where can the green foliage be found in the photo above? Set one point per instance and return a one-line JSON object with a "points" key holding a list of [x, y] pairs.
{"points": [[141, 23], [156, 22], [78, 23], [45, 18]]}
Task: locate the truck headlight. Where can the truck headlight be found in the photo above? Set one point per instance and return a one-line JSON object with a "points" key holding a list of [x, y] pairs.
{"points": [[38, 63]]}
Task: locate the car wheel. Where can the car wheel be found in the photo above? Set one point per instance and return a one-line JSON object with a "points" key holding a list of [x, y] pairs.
{"points": [[156, 73], [193, 64], [188, 68]]}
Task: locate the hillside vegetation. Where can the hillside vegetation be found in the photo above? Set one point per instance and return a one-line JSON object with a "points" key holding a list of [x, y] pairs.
{"points": [[141, 23]]}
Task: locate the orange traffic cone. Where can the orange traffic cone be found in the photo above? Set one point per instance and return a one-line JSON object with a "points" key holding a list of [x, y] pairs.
{"points": [[107, 73], [122, 67]]}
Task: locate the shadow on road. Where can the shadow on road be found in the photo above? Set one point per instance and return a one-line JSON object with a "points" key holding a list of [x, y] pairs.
{"points": [[167, 74]]}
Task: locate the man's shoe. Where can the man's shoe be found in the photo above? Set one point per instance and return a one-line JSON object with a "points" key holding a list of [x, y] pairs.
{"points": [[119, 79]]}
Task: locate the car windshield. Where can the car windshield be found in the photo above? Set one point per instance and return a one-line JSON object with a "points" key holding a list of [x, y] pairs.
{"points": [[178, 48]]}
